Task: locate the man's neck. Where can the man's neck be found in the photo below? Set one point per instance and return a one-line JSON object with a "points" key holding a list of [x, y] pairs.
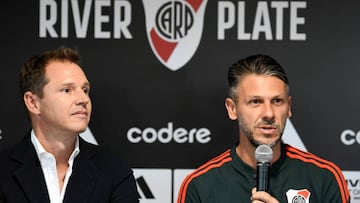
{"points": [[60, 145]]}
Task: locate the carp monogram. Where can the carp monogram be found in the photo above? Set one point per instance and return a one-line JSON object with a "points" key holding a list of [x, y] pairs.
{"points": [[174, 29]]}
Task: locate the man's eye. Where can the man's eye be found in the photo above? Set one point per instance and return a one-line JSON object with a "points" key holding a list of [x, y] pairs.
{"points": [[86, 90], [254, 101], [66, 90], [277, 101]]}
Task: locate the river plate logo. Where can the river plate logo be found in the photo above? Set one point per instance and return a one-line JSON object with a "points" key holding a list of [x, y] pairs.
{"points": [[174, 29]]}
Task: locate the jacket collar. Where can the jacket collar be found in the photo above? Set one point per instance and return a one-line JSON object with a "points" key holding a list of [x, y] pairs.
{"points": [[84, 176], [30, 177], [29, 173]]}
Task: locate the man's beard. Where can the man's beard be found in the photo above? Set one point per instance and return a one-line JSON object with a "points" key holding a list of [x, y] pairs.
{"points": [[249, 133], [256, 143]]}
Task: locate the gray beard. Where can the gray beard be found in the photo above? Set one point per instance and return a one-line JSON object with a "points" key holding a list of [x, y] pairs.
{"points": [[250, 136], [255, 143]]}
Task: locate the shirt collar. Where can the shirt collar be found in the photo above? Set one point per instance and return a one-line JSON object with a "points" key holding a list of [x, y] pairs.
{"points": [[40, 149]]}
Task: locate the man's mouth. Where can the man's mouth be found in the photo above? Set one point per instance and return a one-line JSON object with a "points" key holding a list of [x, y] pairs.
{"points": [[80, 113], [267, 129]]}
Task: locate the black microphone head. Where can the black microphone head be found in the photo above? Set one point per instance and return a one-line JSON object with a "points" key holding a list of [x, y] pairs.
{"points": [[263, 153]]}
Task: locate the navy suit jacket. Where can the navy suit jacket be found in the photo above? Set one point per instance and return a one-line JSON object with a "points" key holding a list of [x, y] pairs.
{"points": [[98, 176]]}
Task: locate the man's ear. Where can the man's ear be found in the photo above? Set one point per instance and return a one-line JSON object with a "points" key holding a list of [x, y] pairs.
{"points": [[231, 108], [31, 102], [289, 113]]}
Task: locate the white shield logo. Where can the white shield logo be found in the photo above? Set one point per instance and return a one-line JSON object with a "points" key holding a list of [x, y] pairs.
{"points": [[174, 29], [298, 196]]}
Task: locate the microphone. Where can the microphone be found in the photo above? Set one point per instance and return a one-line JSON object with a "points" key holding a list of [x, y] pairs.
{"points": [[263, 155]]}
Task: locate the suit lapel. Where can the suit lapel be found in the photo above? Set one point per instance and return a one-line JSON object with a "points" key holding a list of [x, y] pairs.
{"points": [[29, 173], [84, 176]]}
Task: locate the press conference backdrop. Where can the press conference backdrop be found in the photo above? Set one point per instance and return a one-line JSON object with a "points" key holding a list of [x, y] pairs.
{"points": [[158, 72]]}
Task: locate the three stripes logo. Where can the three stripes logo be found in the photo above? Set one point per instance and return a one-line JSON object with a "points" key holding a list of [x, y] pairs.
{"points": [[159, 185], [144, 187], [174, 29], [154, 185]]}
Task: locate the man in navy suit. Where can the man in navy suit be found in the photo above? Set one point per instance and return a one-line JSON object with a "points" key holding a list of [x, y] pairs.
{"points": [[52, 163]]}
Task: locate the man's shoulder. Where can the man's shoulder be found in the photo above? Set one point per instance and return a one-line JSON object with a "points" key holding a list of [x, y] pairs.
{"points": [[318, 169], [5, 154], [22, 146], [310, 160], [209, 169], [103, 158]]}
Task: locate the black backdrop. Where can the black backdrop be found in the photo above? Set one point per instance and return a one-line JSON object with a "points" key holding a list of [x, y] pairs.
{"points": [[133, 88]]}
